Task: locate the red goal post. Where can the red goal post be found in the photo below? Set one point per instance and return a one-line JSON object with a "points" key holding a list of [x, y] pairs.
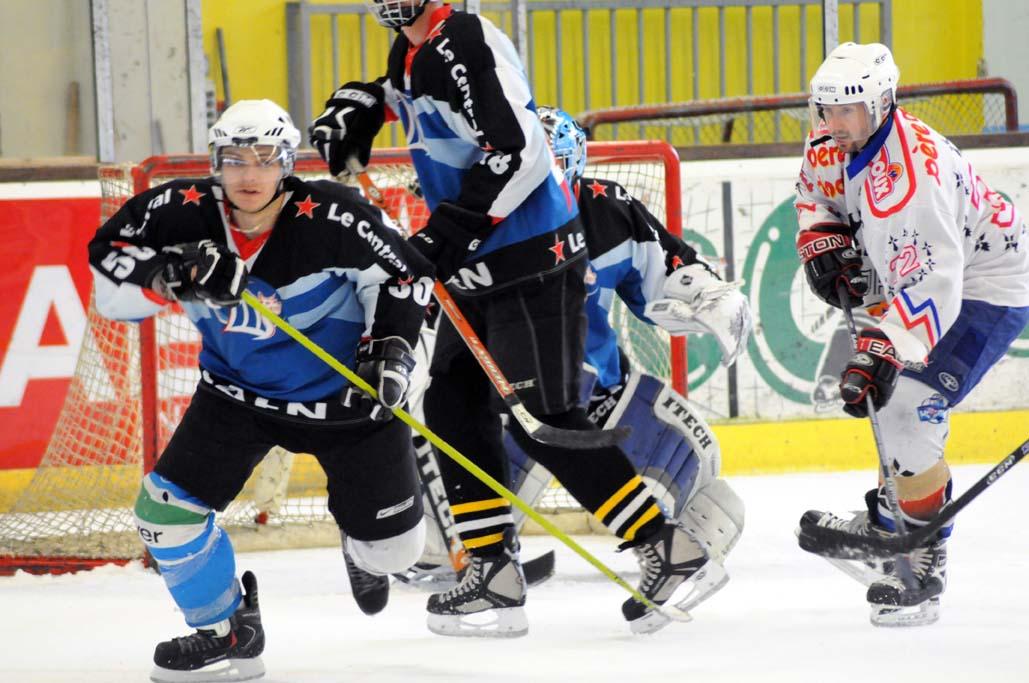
{"points": [[133, 381]]}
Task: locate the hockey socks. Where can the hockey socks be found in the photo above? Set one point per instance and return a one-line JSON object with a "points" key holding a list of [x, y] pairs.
{"points": [[195, 557]]}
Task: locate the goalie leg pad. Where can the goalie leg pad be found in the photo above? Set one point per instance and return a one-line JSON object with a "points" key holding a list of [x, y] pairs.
{"points": [[714, 516], [671, 445], [387, 555], [195, 557]]}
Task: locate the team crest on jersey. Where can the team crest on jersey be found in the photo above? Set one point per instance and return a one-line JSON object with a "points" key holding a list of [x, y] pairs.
{"points": [[244, 319], [890, 182], [884, 176]]}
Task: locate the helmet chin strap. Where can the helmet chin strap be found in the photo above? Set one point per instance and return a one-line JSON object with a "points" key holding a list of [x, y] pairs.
{"points": [[232, 205]]}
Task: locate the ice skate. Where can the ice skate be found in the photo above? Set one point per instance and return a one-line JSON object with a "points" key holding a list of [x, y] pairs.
{"points": [[675, 570], [489, 602], [371, 592], [863, 523], [206, 656], [894, 604]]}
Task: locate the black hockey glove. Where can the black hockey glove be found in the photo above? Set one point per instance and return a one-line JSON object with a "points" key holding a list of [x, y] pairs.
{"points": [[386, 364], [830, 258], [450, 237], [874, 368], [200, 271], [351, 120]]}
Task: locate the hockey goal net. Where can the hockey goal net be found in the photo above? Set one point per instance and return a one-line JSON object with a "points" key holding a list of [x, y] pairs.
{"points": [[133, 382]]}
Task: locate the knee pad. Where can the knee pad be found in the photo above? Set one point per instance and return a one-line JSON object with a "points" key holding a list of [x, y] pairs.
{"points": [[167, 516], [915, 424], [195, 557], [387, 555]]}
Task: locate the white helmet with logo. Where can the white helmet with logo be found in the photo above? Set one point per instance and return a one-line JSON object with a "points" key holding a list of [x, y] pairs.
{"points": [[856, 74], [253, 123]]}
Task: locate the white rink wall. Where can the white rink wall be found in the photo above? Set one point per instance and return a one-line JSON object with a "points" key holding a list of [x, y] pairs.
{"points": [[746, 206]]}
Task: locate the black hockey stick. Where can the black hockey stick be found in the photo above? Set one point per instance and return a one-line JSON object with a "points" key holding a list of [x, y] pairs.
{"points": [[907, 576], [849, 546], [537, 430], [537, 570]]}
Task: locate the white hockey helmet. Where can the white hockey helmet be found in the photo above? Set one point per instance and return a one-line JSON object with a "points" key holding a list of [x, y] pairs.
{"points": [[856, 74], [251, 123]]}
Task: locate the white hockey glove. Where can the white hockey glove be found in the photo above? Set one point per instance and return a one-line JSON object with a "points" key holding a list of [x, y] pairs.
{"points": [[699, 301]]}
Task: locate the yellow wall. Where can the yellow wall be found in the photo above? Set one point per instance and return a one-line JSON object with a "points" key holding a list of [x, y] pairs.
{"points": [[255, 37]]}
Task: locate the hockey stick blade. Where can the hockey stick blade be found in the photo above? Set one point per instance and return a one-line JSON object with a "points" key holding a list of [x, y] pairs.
{"points": [[563, 438], [539, 569], [840, 544]]}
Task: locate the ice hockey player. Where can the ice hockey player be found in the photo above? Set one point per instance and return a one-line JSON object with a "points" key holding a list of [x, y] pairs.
{"points": [[319, 255], [505, 237], [671, 446], [951, 257]]}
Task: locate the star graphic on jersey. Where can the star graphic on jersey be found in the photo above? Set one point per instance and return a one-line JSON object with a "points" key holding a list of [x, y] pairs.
{"points": [[597, 189], [677, 262], [191, 196], [558, 249], [306, 207]]}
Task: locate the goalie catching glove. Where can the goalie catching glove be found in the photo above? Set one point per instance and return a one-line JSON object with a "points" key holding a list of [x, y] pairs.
{"points": [[699, 301], [385, 364], [352, 118], [200, 271]]}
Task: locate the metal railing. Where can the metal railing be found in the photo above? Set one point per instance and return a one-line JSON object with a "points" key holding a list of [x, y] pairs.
{"points": [[582, 54], [964, 107]]}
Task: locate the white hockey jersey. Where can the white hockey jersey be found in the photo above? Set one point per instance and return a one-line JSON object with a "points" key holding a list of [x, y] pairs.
{"points": [[930, 227]]}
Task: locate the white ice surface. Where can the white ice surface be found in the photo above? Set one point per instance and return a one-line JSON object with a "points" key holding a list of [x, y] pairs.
{"points": [[784, 616]]}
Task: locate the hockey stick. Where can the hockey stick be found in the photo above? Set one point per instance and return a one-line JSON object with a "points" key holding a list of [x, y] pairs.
{"points": [[670, 611], [907, 576], [537, 570], [537, 430], [849, 546]]}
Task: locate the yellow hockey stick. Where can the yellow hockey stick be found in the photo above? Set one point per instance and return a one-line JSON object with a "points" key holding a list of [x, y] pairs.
{"points": [[670, 611]]}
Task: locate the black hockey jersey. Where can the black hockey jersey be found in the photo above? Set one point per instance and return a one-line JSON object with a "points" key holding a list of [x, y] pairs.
{"points": [[476, 141], [330, 267], [631, 254]]}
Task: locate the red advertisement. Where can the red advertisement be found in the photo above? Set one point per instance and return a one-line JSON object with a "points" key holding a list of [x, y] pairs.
{"points": [[44, 292]]}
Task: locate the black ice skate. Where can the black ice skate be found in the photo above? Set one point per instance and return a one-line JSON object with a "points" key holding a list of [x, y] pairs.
{"points": [[371, 592], [204, 656], [894, 604], [864, 523], [675, 570], [489, 602]]}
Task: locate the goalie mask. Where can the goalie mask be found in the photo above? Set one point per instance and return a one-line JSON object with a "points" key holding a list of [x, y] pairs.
{"points": [[853, 92], [261, 125], [567, 140], [396, 14]]}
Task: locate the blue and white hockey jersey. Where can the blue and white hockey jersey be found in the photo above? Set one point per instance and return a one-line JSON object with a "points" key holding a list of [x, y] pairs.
{"points": [[631, 254], [476, 142], [330, 268]]}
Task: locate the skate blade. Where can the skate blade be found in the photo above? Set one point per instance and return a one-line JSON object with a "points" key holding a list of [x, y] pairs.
{"points": [[855, 569], [922, 614], [226, 670], [707, 581], [507, 622]]}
